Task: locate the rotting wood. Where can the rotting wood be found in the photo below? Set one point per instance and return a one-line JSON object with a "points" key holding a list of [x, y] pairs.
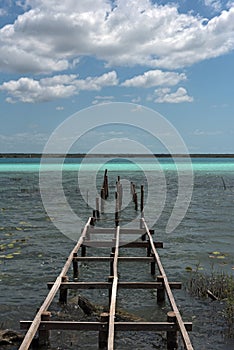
{"points": [[37, 319], [108, 323], [183, 331]]}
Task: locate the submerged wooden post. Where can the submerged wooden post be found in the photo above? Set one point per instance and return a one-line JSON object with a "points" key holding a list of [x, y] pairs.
{"points": [[160, 292], [83, 250], [152, 266], [172, 340], [103, 334], [116, 209], [105, 185], [63, 291], [97, 208], [44, 335], [148, 248], [112, 264], [75, 266], [102, 200], [110, 279], [142, 201]]}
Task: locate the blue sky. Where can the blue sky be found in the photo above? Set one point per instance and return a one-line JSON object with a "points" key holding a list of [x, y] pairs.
{"points": [[57, 58]]}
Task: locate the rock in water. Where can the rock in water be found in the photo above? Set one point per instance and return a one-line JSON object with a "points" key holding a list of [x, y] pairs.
{"points": [[10, 337]]}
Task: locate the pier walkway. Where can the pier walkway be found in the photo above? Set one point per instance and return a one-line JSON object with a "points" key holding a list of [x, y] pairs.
{"points": [[113, 239]]}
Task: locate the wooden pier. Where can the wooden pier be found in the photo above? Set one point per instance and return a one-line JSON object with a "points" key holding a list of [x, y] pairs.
{"points": [[116, 238]]}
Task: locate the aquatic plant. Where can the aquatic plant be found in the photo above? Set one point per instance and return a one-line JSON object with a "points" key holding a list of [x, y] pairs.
{"points": [[218, 286]]}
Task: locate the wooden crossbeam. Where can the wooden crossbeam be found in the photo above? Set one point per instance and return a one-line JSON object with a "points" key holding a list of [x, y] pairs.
{"points": [[97, 326], [112, 231], [122, 244], [108, 258], [121, 285]]}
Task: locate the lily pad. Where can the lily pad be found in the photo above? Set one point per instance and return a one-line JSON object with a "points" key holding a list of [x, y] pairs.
{"points": [[10, 245], [188, 268], [9, 256]]}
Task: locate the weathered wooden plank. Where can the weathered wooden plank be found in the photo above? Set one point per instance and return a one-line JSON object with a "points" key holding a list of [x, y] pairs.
{"points": [[108, 258], [67, 325], [111, 332], [36, 322], [97, 326], [111, 231], [150, 326], [121, 285], [122, 244], [183, 331]]}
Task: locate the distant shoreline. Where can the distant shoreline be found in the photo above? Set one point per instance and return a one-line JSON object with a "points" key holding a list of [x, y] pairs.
{"points": [[122, 155]]}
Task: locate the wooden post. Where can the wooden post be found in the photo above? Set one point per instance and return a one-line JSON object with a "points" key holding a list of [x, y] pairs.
{"points": [[92, 221], [102, 199], [143, 237], [105, 185], [63, 291], [172, 340], [160, 292], [103, 334], [148, 248], [97, 208], [135, 201], [152, 266], [44, 335], [112, 264], [83, 250], [75, 266], [110, 279], [117, 209], [142, 201]]}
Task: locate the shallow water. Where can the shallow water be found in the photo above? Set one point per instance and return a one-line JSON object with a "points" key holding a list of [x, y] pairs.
{"points": [[33, 250]]}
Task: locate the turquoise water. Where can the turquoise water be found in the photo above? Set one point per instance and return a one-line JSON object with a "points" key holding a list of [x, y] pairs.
{"points": [[33, 251], [132, 164]]}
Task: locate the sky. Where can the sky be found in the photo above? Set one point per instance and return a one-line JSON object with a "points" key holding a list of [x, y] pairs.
{"points": [[60, 57]]}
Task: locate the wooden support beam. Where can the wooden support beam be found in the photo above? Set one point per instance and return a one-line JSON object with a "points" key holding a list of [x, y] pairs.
{"points": [[111, 258], [122, 244], [183, 331], [103, 333], [172, 339], [75, 266], [98, 326], [121, 285], [44, 334], [63, 291], [36, 322]]}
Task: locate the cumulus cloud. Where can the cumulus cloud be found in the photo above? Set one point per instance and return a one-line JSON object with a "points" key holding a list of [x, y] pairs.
{"points": [[60, 86], [165, 95], [51, 36], [215, 5], [155, 78]]}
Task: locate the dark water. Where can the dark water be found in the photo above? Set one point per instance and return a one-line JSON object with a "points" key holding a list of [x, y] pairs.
{"points": [[33, 250]]}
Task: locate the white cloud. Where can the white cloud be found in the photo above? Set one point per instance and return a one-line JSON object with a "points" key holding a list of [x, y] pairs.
{"points": [[215, 5], [60, 86], [165, 95], [155, 78], [198, 132], [52, 36]]}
